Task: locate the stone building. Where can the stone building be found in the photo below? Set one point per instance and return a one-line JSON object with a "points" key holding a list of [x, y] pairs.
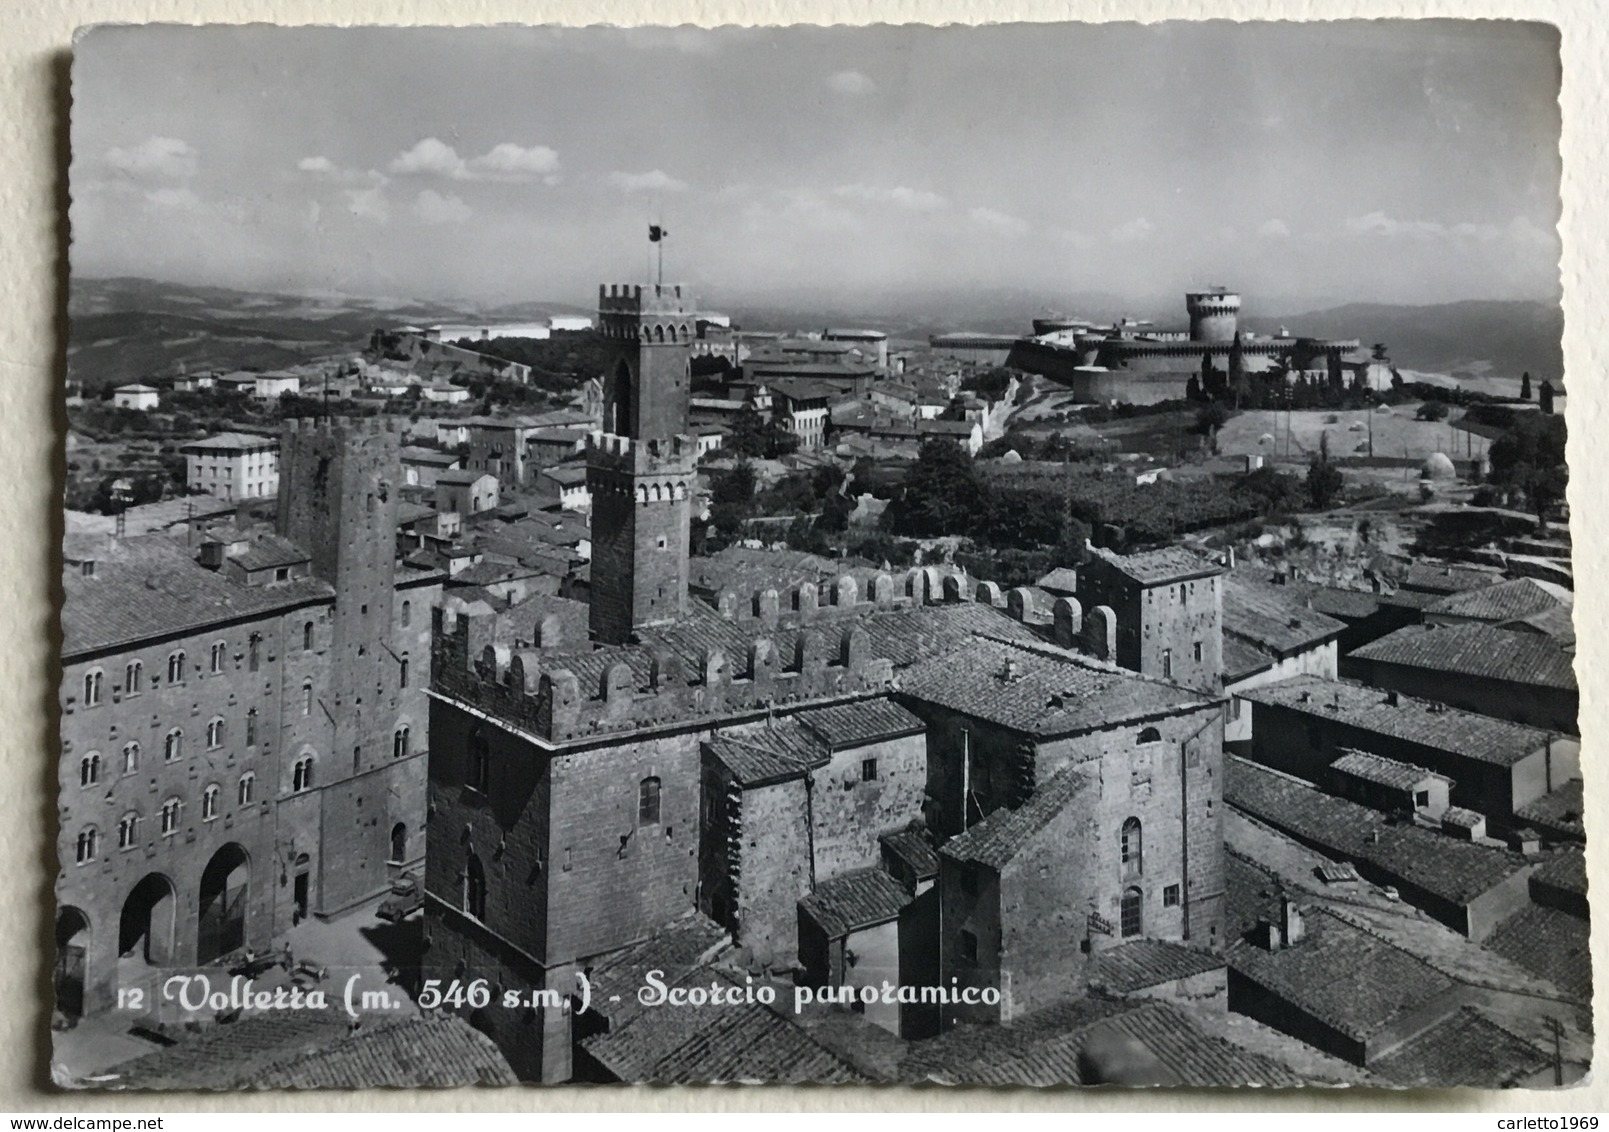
{"points": [[243, 723], [1168, 608]]}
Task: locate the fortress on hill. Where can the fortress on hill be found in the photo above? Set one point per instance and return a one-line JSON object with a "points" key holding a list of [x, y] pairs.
{"points": [[917, 779], [1125, 362]]}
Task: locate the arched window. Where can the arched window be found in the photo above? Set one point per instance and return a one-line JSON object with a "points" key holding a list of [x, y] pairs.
{"points": [[92, 686], [248, 787], [1149, 735], [89, 769], [399, 842], [1130, 919], [133, 678], [176, 666], [307, 697], [254, 648], [648, 802], [399, 743], [251, 727], [475, 888], [307, 637], [402, 676], [407, 614], [209, 803], [173, 746], [170, 816], [214, 733], [88, 843], [302, 775], [1133, 861], [131, 757], [480, 762], [128, 831], [220, 650]]}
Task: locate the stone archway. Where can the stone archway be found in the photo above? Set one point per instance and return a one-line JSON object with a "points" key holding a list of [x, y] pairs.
{"points": [[145, 928], [225, 885], [72, 957]]}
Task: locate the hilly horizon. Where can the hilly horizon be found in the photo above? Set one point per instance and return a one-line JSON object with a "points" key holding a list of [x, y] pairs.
{"points": [[129, 328]]}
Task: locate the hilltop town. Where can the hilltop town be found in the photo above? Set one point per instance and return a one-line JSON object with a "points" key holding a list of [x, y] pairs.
{"points": [[1101, 703]]}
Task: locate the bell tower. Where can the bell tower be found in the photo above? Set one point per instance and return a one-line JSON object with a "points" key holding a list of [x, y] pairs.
{"points": [[640, 467]]}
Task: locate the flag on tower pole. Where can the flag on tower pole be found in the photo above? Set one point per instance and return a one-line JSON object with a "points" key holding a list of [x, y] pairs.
{"points": [[656, 235]]}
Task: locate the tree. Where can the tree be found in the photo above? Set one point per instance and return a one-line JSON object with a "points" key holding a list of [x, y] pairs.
{"points": [[1544, 397], [1237, 371], [1378, 352], [1432, 411], [941, 494], [1525, 386], [1530, 458], [757, 437], [1324, 480], [1192, 389], [1211, 418], [732, 499]]}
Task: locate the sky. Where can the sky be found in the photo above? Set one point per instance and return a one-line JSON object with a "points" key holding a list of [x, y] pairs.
{"points": [[1392, 161]]}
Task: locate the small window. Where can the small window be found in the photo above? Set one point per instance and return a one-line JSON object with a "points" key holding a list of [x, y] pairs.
{"points": [[1131, 848], [246, 788], [93, 681], [219, 650], [209, 803], [173, 746], [407, 614], [282, 573], [475, 888], [1167, 664], [89, 769], [170, 816], [400, 743], [868, 770], [402, 671], [1132, 911], [648, 802], [251, 727], [307, 637], [480, 762], [302, 775], [128, 831], [307, 697], [357, 759], [1149, 735], [1170, 896], [131, 757], [969, 948], [1421, 798], [1195, 652], [254, 649], [88, 844], [133, 678]]}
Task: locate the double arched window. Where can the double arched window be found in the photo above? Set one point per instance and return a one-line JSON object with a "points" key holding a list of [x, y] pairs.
{"points": [[88, 844], [176, 666], [480, 762], [128, 831], [131, 757], [400, 742], [220, 651], [133, 678], [247, 788], [93, 683], [209, 803], [173, 746], [170, 816], [214, 733], [302, 774], [89, 769]]}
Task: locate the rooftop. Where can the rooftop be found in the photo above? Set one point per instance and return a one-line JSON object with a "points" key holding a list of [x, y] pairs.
{"points": [[268, 551], [855, 900], [674, 949], [1476, 650], [1456, 871], [232, 442], [998, 838], [1383, 771], [1420, 722], [1273, 619], [1131, 967], [1446, 578], [1156, 567], [1465, 1050], [1041, 690], [1551, 944], [915, 848], [1558, 813], [775, 752], [1505, 601], [462, 476], [1062, 580]]}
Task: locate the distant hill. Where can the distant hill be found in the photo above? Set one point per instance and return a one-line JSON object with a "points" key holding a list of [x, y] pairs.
{"points": [[1476, 338]]}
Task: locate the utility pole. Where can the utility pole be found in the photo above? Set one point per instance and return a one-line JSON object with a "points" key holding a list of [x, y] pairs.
{"points": [[1556, 1028]]}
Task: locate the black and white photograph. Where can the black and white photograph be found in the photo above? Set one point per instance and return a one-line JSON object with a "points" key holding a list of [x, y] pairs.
{"points": [[1018, 555]]}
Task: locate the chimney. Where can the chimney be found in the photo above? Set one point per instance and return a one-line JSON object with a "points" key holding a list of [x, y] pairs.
{"points": [[1229, 558], [1394, 698], [1291, 926]]}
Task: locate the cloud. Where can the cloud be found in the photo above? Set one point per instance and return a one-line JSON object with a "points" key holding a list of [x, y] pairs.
{"points": [[998, 222], [433, 208], [316, 165], [1274, 229], [1520, 230], [1129, 232], [918, 200], [179, 199], [850, 82], [655, 181], [503, 162], [1379, 224], [369, 204], [799, 210], [155, 156]]}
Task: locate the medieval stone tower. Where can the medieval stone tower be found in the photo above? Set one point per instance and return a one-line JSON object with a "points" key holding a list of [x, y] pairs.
{"points": [[640, 467], [1214, 315], [338, 501]]}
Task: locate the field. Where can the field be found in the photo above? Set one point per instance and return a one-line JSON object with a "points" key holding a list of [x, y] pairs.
{"points": [[1396, 434]]}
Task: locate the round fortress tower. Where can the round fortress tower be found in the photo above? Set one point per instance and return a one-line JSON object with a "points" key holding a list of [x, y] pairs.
{"points": [[1214, 315]]}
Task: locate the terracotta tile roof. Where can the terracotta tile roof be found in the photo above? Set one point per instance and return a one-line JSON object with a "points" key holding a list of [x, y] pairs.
{"points": [[860, 722], [1346, 604], [1464, 819], [1457, 871], [1447, 578], [1567, 872], [998, 838], [443, 1051], [674, 949], [1243, 659], [232, 1056], [1476, 650], [1448, 730], [763, 755], [1273, 618], [1409, 599], [1063, 579], [915, 848], [1506, 601], [1147, 963], [855, 900], [1557, 623], [149, 587], [1047, 1048], [1154, 567], [1383, 771], [1349, 978], [231, 442], [1465, 1050], [683, 1045], [1551, 944], [268, 551], [1039, 689]]}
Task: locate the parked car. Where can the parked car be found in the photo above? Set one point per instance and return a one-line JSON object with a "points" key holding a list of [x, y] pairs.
{"points": [[405, 898]]}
